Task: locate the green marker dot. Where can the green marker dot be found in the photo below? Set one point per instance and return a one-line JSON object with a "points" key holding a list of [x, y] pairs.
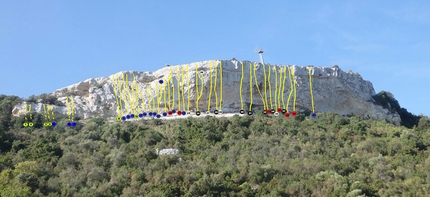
{"points": [[49, 124], [30, 124], [25, 124]]}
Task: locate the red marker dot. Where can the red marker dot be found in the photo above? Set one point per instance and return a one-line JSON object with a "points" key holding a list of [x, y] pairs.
{"points": [[268, 111], [287, 115], [294, 113], [170, 113], [279, 110], [179, 112]]}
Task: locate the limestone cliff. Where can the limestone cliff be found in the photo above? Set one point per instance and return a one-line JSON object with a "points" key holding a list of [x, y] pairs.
{"points": [[345, 93]]}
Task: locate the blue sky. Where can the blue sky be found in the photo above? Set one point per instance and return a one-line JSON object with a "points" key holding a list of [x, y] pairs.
{"points": [[46, 45]]}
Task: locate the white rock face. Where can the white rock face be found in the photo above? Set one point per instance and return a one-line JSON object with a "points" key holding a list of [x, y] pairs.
{"points": [[333, 90], [167, 151]]}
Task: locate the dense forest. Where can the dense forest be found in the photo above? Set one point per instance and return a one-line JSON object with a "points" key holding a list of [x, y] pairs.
{"points": [[255, 155]]}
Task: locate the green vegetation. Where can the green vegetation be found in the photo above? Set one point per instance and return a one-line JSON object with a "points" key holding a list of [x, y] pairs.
{"points": [[240, 156], [45, 99]]}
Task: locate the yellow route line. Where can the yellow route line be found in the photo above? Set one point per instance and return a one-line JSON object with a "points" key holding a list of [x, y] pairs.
{"points": [[283, 87], [121, 90], [270, 89], [120, 97], [27, 110], [189, 89], [197, 88], [136, 98], [68, 107], [122, 94], [143, 101], [154, 104], [258, 87], [125, 93], [215, 83], [139, 95], [179, 89], [130, 97], [137, 105], [295, 95], [173, 93], [241, 81], [265, 91], [250, 86], [157, 93], [210, 85], [148, 100], [291, 87], [160, 96], [49, 110], [52, 113], [183, 88], [220, 102], [169, 78], [165, 93], [280, 86], [31, 115], [276, 86], [310, 89], [73, 110], [44, 112]]}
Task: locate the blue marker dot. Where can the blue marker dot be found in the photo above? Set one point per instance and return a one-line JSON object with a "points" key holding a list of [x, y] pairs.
{"points": [[54, 124], [154, 113], [314, 115], [140, 115], [173, 111], [128, 116], [164, 114], [158, 116], [150, 114], [73, 124], [69, 124], [184, 113], [161, 81], [124, 118], [144, 114], [132, 115]]}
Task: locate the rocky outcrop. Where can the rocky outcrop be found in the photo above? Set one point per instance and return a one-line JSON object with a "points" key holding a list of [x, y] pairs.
{"points": [[345, 93]]}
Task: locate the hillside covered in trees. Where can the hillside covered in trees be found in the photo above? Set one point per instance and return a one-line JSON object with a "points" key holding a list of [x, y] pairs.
{"points": [[255, 155]]}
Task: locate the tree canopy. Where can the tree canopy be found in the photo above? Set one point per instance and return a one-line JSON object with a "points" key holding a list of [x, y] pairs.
{"points": [[256, 155]]}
